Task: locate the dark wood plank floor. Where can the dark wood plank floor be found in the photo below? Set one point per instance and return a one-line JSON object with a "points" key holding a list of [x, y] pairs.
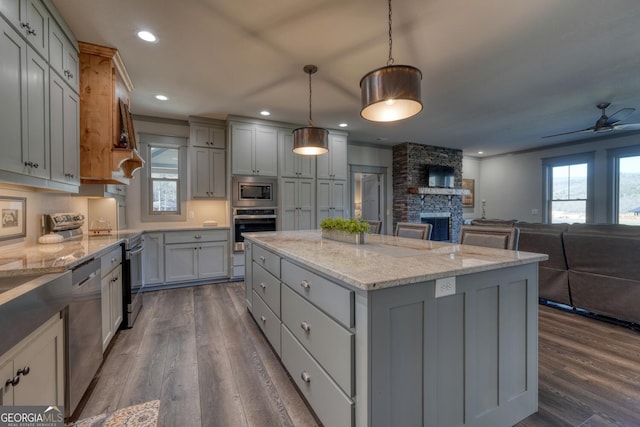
{"points": [[199, 352]]}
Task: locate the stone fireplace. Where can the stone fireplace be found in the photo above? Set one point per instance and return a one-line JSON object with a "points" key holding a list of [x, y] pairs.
{"points": [[412, 200]]}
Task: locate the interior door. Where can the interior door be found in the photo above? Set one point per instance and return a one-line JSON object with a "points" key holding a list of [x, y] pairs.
{"points": [[371, 197]]}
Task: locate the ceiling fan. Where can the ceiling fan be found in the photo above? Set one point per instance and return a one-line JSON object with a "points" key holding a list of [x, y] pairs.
{"points": [[606, 123]]}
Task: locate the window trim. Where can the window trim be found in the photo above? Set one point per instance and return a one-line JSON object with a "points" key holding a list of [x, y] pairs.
{"points": [[613, 183], [163, 141], [549, 163]]}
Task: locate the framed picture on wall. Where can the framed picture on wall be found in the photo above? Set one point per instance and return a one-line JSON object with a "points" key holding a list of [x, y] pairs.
{"points": [[13, 211], [468, 198]]}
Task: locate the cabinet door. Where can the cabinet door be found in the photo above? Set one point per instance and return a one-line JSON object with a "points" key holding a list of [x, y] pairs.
{"points": [[71, 137], [338, 153], [306, 206], [13, 108], [323, 192], [248, 275], [200, 177], [242, 138], [107, 328], [213, 260], [44, 357], [63, 56], [37, 32], [339, 199], [288, 204], [266, 151], [14, 11], [37, 148], [199, 136], [153, 258], [218, 173], [116, 299], [291, 164], [7, 373], [181, 262], [56, 134]]}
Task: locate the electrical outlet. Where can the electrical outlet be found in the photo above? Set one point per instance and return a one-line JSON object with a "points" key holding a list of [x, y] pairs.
{"points": [[192, 214], [534, 211], [445, 286]]}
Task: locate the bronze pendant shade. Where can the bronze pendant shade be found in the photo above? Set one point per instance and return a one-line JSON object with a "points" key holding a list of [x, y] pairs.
{"points": [[393, 92], [310, 140]]}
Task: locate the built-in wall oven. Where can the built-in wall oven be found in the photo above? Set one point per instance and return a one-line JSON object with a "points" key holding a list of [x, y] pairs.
{"points": [[251, 220]]}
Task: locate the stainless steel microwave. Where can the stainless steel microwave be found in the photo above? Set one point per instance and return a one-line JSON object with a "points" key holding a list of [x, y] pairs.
{"points": [[254, 191]]}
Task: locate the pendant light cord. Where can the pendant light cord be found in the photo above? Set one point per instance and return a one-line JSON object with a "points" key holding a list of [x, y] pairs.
{"points": [[310, 120], [390, 60]]}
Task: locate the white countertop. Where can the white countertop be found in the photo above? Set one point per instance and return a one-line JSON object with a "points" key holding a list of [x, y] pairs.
{"points": [[386, 261]]}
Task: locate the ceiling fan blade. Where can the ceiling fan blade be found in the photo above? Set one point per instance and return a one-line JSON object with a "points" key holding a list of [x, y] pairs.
{"points": [[589, 129], [619, 115], [628, 126]]}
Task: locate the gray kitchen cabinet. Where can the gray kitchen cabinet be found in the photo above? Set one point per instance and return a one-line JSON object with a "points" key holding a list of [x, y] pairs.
{"points": [[36, 149], [205, 136], [32, 372], [291, 164], [196, 255], [63, 56], [111, 285], [153, 261], [254, 149], [297, 206], [331, 199], [64, 136], [248, 274], [333, 165], [30, 19], [208, 173]]}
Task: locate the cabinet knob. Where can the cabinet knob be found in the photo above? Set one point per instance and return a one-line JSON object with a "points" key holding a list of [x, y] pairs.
{"points": [[305, 377], [305, 327], [197, 236], [262, 259], [13, 382], [263, 286], [264, 319], [305, 284], [23, 371]]}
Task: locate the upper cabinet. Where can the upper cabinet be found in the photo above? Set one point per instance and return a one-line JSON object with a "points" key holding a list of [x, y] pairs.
{"points": [[333, 165], [208, 160], [207, 136], [30, 18], [291, 164], [63, 56], [104, 96], [254, 149]]}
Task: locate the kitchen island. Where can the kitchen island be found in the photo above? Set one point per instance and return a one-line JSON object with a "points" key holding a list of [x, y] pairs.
{"points": [[399, 332]]}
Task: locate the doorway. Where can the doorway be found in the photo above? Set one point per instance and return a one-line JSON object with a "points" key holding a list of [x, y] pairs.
{"points": [[368, 199]]}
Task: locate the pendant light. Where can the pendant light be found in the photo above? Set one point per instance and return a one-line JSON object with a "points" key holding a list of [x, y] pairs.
{"points": [[393, 92], [310, 140]]}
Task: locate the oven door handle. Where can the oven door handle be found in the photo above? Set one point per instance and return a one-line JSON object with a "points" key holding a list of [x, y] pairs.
{"points": [[255, 217], [136, 251]]}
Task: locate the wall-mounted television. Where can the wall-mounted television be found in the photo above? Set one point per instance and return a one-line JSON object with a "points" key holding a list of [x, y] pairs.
{"points": [[440, 176]]}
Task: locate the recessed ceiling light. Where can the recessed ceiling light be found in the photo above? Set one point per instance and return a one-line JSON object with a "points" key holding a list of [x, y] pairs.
{"points": [[480, 152], [265, 113], [162, 98], [382, 138], [343, 125], [147, 36]]}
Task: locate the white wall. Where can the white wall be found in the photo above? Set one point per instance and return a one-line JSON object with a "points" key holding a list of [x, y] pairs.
{"points": [[512, 184], [365, 155]]}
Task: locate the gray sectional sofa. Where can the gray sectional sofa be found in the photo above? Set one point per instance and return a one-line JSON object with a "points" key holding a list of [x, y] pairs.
{"points": [[595, 267]]}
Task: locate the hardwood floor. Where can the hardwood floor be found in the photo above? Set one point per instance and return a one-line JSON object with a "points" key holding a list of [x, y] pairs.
{"points": [[199, 352]]}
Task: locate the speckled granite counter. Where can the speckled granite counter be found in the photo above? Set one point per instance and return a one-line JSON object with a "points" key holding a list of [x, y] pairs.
{"points": [[386, 261]]}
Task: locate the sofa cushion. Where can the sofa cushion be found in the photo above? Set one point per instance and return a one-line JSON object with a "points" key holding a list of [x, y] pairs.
{"points": [[544, 239]]}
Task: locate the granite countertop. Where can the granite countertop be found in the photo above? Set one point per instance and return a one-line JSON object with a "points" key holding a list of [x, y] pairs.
{"points": [[387, 261]]}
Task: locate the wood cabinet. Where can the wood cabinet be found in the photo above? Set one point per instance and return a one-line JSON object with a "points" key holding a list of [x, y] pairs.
{"points": [[32, 372], [112, 302], [332, 199], [64, 115], [195, 255], [333, 165], [297, 204], [254, 149], [153, 261], [292, 164], [104, 82]]}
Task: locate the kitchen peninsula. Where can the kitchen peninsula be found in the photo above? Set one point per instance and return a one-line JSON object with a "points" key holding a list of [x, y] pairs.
{"points": [[399, 331]]}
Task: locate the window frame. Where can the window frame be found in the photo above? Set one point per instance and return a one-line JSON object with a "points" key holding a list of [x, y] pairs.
{"points": [[148, 141], [613, 179], [547, 173]]}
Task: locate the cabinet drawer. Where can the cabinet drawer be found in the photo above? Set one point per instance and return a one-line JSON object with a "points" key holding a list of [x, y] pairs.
{"points": [[109, 261], [268, 321], [328, 402], [330, 297], [328, 342], [196, 236], [268, 287], [267, 259]]}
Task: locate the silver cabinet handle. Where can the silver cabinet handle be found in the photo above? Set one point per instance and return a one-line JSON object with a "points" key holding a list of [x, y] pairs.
{"points": [[264, 319], [305, 327], [305, 284], [263, 286], [305, 377], [262, 259], [197, 236]]}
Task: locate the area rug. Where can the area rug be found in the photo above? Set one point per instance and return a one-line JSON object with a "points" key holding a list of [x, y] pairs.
{"points": [[142, 415]]}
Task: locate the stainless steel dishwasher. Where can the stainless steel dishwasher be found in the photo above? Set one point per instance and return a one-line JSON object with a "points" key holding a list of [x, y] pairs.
{"points": [[84, 332]]}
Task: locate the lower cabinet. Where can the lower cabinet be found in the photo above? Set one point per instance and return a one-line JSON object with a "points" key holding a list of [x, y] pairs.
{"points": [[153, 261], [32, 372], [195, 255], [112, 302]]}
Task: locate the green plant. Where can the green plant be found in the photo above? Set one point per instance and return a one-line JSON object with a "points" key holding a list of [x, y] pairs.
{"points": [[353, 225]]}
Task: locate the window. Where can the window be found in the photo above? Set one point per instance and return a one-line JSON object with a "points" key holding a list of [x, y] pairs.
{"points": [[164, 189], [625, 165], [568, 189]]}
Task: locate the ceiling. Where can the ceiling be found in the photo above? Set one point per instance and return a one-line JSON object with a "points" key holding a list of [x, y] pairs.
{"points": [[497, 74]]}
